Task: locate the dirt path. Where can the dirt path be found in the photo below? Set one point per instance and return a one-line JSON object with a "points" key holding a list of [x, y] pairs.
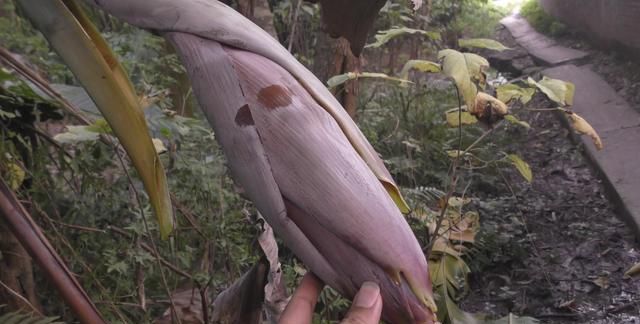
{"points": [[558, 251]]}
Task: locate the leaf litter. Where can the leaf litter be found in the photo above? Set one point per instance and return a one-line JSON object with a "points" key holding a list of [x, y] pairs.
{"points": [[559, 240]]}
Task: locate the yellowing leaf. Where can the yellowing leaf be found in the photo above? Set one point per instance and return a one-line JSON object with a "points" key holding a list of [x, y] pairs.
{"points": [[384, 36], [476, 65], [558, 91], [465, 228], [521, 166], [342, 78], [462, 67], [77, 134], [458, 202], [14, 175], [88, 56], [449, 276], [510, 91], [514, 120], [582, 126], [339, 79], [454, 120], [571, 90], [420, 65], [482, 43]]}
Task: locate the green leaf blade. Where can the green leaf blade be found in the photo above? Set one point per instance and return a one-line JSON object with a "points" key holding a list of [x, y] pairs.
{"points": [[482, 43], [522, 167]]}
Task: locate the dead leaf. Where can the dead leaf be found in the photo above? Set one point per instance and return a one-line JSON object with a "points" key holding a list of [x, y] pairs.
{"points": [[242, 301], [188, 306], [633, 271], [489, 109], [275, 291], [569, 304], [582, 126], [158, 145], [602, 282]]}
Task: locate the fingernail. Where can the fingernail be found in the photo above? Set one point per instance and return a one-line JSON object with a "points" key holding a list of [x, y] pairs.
{"points": [[367, 295]]}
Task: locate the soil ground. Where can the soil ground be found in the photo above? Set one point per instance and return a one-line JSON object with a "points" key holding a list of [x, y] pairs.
{"points": [[557, 251]]}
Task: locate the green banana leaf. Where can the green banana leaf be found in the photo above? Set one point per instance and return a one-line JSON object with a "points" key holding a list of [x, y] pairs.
{"points": [[88, 56]]}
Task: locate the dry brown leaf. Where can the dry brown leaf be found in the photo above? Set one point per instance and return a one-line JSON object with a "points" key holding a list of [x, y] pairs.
{"points": [[188, 306], [582, 126], [602, 282], [633, 271], [275, 290], [489, 109]]}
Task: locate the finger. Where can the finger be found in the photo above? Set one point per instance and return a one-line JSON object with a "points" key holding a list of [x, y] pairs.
{"points": [[301, 306], [366, 307]]}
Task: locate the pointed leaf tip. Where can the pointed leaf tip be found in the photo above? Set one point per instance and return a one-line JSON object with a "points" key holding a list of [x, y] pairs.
{"points": [[80, 45], [521, 166], [583, 127], [420, 65]]}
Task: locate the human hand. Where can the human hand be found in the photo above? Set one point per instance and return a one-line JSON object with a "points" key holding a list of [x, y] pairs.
{"points": [[366, 307]]}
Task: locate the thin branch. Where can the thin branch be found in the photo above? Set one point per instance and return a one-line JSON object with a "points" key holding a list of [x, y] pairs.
{"points": [[453, 180], [153, 243], [24, 300], [65, 242], [479, 139], [80, 228], [149, 249], [41, 83], [543, 109], [188, 215]]}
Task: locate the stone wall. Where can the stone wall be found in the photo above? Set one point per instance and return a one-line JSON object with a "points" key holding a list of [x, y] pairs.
{"points": [[610, 22]]}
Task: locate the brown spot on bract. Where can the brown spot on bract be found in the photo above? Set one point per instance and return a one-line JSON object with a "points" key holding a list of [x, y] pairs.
{"points": [[243, 116], [274, 96]]}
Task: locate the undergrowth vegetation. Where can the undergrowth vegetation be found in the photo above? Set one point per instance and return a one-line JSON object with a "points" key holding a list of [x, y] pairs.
{"points": [[540, 20], [78, 183]]}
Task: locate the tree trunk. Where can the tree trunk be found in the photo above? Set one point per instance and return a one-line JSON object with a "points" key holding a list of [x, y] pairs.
{"points": [[343, 62]]}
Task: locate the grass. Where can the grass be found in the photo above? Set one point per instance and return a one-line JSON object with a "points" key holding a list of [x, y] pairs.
{"points": [[540, 20]]}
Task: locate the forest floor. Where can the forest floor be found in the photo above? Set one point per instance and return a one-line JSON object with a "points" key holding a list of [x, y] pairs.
{"points": [[557, 251]]}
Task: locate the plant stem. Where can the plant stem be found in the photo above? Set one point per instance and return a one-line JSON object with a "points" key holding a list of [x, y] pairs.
{"points": [[153, 243]]}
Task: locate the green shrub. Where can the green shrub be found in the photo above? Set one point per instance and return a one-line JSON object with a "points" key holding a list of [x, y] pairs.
{"points": [[540, 20]]}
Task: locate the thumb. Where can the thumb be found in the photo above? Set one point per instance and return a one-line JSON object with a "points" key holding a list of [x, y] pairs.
{"points": [[366, 307]]}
